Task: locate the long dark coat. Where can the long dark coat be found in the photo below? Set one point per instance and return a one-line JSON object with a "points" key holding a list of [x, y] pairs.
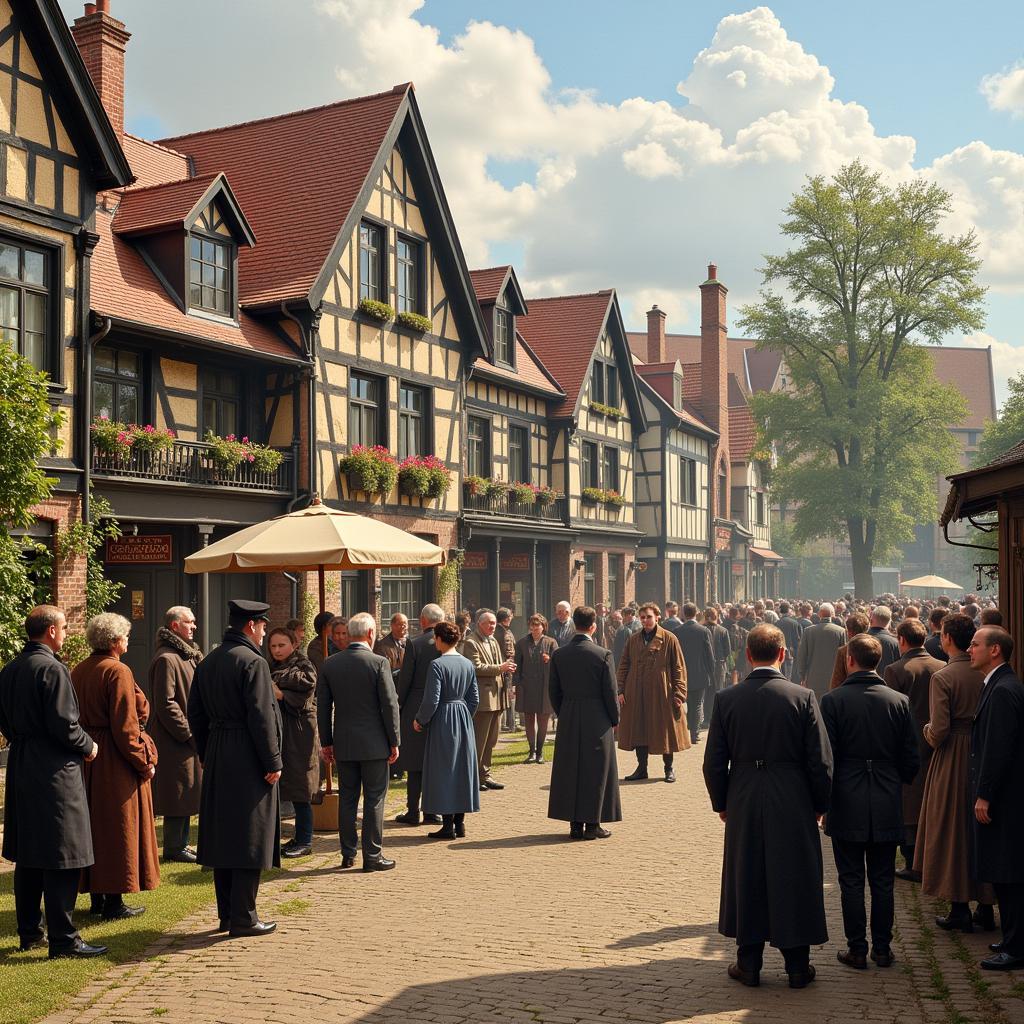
{"points": [[532, 674], [237, 727], [912, 675], [890, 647], [411, 685], [451, 783], [698, 656], [295, 677], [178, 781], [46, 814], [997, 775], [584, 775], [772, 873], [874, 750], [115, 711], [649, 676]]}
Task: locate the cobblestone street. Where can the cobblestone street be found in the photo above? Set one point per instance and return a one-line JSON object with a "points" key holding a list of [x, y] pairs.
{"points": [[515, 924]]}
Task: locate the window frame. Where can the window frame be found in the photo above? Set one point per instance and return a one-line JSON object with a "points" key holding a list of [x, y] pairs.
{"points": [[590, 578], [611, 373], [381, 407], [606, 450], [688, 481], [486, 468], [418, 247], [424, 415], [53, 337], [141, 382], [230, 267], [760, 508], [508, 359], [204, 391], [613, 581], [527, 467], [598, 382], [382, 270], [590, 464]]}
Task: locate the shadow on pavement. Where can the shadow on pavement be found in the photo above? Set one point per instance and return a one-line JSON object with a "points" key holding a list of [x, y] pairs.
{"points": [[512, 842], [672, 933]]}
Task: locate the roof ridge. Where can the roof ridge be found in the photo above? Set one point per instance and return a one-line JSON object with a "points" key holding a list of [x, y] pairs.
{"points": [[157, 145], [395, 89], [165, 184], [487, 270], [577, 295]]}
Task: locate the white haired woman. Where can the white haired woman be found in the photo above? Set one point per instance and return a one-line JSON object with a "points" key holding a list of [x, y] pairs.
{"points": [[117, 782]]}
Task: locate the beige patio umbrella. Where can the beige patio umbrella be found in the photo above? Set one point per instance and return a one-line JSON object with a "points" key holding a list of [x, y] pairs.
{"points": [[931, 581]]}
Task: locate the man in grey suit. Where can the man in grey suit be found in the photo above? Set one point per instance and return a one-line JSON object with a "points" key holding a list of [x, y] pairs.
{"points": [[361, 736], [695, 640], [881, 616], [816, 654]]}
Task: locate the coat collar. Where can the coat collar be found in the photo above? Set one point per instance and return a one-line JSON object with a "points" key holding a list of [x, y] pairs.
{"points": [[763, 674], [235, 637], [986, 692], [37, 647], [916, 652], [865, 677]]}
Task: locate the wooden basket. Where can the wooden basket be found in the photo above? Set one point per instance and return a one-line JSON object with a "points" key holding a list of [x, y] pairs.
{"points": [[325, 805]]}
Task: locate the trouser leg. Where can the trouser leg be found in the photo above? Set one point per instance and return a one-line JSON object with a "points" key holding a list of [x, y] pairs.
{"points": [[694, 710], [750, 957], [245, 884], [448, 820], [486, 726], [542, 732], [349, 781], [28, 902], [460, 818], [175, 835], [797, 958], [1011, 916], [60, 890], [849, 858], [413, 791], [531, 731], [641, 757], [222, 887], [303, 823], [881, 867], [375, 789]]}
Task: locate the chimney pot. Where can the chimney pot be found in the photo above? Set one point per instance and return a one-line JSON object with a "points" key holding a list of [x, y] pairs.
{"points": [[712, 272], [103, 6], [90, 9], [655, 335]]}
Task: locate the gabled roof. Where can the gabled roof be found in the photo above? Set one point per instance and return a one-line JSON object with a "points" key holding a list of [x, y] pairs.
{"points": [[51, 40], [178, 204], [529, 373], [686, 349], [490, 283], [153, 164], [657, 381]]}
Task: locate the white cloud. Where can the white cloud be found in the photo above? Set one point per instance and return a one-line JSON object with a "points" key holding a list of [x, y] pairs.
{"points": [[1004, 91], [650, 160], [1007, 360]]}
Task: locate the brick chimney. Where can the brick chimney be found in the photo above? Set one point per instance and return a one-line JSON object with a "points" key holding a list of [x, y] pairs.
{"points": [[102, 40], [714, 382], [656, 335]]}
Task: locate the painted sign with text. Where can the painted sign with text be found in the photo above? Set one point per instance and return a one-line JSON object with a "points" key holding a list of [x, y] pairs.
{"points": [[146, 549]]}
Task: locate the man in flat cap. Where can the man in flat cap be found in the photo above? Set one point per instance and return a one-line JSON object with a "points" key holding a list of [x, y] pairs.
{"points": [[236, 725]]}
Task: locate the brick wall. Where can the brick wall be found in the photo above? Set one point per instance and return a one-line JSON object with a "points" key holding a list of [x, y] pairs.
{"points": [[68, 587]]}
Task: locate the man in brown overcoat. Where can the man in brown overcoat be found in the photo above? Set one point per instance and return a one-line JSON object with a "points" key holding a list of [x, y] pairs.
{"points": [[393, 644], [912, 676], [178, 783], [652, 692]]}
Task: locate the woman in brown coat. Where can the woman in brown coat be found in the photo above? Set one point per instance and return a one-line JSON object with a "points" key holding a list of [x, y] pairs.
{"points": [[942, 853], [117, 783], [652, 692], [295, 689], [532, 655]]}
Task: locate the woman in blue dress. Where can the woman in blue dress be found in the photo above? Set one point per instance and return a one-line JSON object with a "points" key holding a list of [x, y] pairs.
{"points": [[451, 785]]}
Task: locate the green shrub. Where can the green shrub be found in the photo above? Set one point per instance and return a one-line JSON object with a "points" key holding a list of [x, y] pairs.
{"points": [[415, 321], [371, 470], [376, 310]]}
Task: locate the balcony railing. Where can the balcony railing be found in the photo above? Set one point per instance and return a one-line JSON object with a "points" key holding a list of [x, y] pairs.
{"points": [[192, 462], [505, 505]]}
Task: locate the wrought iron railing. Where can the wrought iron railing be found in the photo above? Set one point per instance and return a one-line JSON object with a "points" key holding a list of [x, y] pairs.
{"points": [[192, 462], [503, 504]]}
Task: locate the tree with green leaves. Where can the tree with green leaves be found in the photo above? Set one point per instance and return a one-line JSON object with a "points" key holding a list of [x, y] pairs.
{"points": [[861, 431], [1002, 434]]}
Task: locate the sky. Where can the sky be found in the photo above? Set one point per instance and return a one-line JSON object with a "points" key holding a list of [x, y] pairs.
{"points": [[598, 144]]}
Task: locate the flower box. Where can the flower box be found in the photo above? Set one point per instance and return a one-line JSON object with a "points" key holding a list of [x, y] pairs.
{"points": [[478, 486], [151, 439], [375, 310], [524, 494], [369, 470], [424, 476], [546, 496], [591, 495], [415, 322], [607, 410]]}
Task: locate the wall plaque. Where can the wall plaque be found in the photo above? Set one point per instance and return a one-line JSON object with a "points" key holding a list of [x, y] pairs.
{"points": [[145, 549]]}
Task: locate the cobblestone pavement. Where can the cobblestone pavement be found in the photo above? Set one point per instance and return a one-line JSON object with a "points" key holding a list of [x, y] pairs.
{"points": [[515, 924]]}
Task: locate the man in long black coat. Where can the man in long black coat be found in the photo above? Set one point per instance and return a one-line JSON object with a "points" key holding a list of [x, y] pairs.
{"points": [[695, 640], [358, 718], [46, 816], [412, 681], [996, 781], [236, 724], [768, 770], [881, 616], [791, 629], [874, 747], [584, 776]]}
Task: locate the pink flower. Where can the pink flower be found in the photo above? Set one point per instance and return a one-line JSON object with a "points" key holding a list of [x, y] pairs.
{"points": [[245, 440]]}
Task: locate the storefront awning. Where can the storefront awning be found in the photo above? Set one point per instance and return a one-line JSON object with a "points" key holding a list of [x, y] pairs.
{"points": [[766, 555]]}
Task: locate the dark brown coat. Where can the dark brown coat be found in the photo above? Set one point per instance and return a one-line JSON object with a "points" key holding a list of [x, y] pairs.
{"points": [[649, 677], [912, 675], [944, 828], [300, 746], [394, 650], [532, 675], [114, 712], [178, 781], [839, 672]]}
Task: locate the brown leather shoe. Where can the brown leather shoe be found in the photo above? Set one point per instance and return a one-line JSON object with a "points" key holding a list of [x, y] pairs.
{"points": [[851, 959], [749, 978], [801, 979], [883, 957]]}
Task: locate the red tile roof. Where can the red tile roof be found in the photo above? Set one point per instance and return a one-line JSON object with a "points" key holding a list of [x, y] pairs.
{"points": [[686, 349], [159, 206], [488, 282], [660, 377], [122, 286], [563, 331], [742, 433], [692, 378], [528, 371], [296, 177], [152, 163]]}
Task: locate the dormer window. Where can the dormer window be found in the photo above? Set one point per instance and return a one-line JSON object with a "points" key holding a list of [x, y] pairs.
{"points": [[504, 334], [210, 275]]}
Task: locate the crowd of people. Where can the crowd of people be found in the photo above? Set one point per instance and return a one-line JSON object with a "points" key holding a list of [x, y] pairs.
{"points": [[894, 726]]}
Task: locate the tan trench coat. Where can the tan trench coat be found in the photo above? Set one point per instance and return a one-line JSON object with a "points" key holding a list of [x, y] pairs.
{"points": [[485, 653], [649, 677]]}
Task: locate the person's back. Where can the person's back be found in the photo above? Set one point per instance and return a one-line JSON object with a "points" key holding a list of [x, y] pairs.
{"points": [[816, 655], [358, 685]]}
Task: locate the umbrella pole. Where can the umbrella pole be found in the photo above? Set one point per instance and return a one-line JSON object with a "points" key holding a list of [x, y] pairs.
{"points": [[323, 604]]}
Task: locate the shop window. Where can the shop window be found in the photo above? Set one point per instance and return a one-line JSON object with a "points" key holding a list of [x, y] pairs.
{"points": [[614, 577], [675, 582], [26, 303], [117, 385], [352, 593], [689, 582]]}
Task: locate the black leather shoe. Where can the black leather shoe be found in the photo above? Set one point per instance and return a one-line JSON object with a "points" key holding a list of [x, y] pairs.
{"points": [[460, 831], [637, 776], [575, 831], [380, 864], [951, 923], [123, 911], [539, 759], [670, 775], [79, 951], [347, 862], [431, 819], [223, 925], [883, 957], [996, 947], [36, 943], [984, 917], [492, 784], [801, 979], [530, 758], [442, 833], [95, 904], [297, 851], [1003, 962], [749, 978], [181, 857], [851, 959], [909, 875], [259, 928], [408, 818], [596, 833]]}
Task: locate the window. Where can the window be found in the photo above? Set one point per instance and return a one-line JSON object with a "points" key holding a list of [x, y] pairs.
{"points": [[504, 331], [221, 409], [610, 468], [210, 276], [675, 582], [371, 262], [761, 518], [412, 406], [365, 404], [25, 302], [401, 591], [972, 438], [518, 455], [352, 594], [688, 481], [597, 383], [116, 386], [409, 263], [612, 388], [689, 581], [614, 574], [589, 580], [478, 447], [588, 464]]}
